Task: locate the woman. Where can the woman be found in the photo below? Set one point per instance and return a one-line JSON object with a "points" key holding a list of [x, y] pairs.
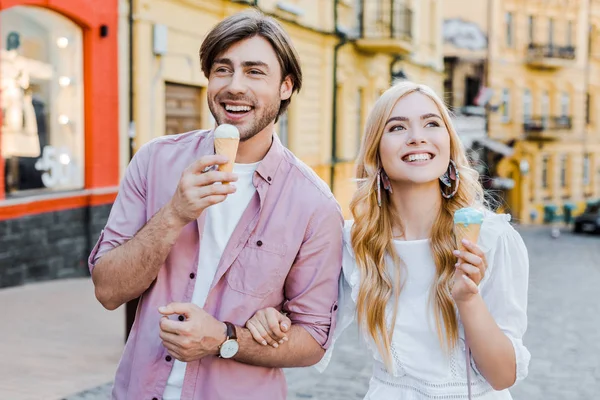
{"points": [[418, 299]]}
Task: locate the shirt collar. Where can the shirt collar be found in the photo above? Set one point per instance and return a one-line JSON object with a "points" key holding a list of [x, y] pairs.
{"points": [[270, 163]]}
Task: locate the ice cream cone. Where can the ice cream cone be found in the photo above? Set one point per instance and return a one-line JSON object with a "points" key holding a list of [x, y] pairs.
{"points": [[467, 224], [227, 147], [227, 139]]}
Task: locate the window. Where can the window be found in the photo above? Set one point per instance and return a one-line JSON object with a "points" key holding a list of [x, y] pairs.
{"points": [[358, 13], [509, 29], [588, 106], [563, 171], [531, 29], [570, 33], [284, 128], [41, 81], [545, 172], [472, 88], [527, 105], [359, 117], [565, 104], [551, 31], [545, 108], [586, 170], [505, 105]]}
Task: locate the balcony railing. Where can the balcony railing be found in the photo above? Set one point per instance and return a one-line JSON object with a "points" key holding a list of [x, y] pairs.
{"points": [[548, 55], [385, 25], [545, 126]]}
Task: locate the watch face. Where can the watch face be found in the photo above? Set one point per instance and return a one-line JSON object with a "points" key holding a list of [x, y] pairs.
{"points": [[229, 349]]}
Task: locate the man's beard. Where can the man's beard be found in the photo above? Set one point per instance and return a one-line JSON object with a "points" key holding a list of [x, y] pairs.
{"points": [[257, 124]]}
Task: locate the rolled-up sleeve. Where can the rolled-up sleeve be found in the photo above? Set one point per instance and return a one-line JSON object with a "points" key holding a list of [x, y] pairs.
{"points": [[128, 213], [311, 287]]}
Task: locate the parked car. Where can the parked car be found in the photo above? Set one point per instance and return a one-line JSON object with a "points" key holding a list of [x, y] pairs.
{"points": [[589, 221]]}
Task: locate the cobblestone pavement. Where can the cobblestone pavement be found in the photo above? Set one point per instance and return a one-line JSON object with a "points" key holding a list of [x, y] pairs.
{"points": [[563, 337]]}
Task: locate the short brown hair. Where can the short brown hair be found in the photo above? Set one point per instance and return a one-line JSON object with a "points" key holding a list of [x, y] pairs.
{"points": [[245, 25]]}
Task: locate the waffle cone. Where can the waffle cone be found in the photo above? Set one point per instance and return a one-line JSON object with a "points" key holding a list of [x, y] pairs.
{"points": [[469, 232], [227, 147]]}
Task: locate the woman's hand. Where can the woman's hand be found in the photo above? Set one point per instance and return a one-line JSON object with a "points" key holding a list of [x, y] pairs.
{"points": [[268, 326], [470, 270]]}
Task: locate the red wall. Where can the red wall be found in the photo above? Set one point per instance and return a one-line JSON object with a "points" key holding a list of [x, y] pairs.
{"points": [[101, 95]]}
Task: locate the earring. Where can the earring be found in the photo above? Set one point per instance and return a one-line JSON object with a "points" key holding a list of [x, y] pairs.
{"points": [[382, 177], [378, 187], [451, 175]]}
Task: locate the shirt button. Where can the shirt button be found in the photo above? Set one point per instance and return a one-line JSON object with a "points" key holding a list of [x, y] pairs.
{"points": [[155, 398], [269, 178], [168, 358], [192, 275], [335, 307], [259, 243], [181, 317]]}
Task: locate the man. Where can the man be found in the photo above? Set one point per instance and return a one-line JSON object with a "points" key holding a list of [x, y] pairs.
{"points": [[205, 257]]}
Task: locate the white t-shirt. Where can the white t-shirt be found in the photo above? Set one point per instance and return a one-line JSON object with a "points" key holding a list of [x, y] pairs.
{"points": [[422, 369], [221, 220]]}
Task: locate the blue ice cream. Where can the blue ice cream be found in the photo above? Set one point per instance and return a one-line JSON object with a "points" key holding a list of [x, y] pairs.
{"points": [[467, 216]]}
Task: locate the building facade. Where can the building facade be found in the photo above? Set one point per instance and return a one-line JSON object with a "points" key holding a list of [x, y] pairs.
{"points": [[540, 76], [58, 136], [350, 52]]}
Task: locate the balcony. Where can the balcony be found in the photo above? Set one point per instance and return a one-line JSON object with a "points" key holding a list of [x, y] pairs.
{"points": [[547, 56], [385, 27], [546, 128]]}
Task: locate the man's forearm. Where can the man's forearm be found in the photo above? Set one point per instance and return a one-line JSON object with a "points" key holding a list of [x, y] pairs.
{"points": [[125, 272], [301, 350]]}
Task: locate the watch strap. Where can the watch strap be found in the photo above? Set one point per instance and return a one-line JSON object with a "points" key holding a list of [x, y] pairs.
{"points": [[231, 333]]}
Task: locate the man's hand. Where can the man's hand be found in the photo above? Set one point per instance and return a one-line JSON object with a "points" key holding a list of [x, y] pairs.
{"points": [[195, 335], [197, 190], [268, 325]]}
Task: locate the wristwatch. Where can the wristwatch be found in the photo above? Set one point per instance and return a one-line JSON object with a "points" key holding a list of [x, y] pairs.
{"points": [[230, 346]]}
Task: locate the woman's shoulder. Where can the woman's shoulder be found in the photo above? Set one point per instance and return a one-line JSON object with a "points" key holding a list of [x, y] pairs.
{"points": [[498, 236], [495, 226]]}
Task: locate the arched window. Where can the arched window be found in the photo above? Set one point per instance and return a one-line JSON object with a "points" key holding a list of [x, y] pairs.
{"points": [[41, 77]]}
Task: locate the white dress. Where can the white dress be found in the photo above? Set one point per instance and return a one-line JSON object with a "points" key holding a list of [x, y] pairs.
{"points": [[422, 369]]}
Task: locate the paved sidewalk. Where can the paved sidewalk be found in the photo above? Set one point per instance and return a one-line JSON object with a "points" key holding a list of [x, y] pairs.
{"points": [[56, 340]]}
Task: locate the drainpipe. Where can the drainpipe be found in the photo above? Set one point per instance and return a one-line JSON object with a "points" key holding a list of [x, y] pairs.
{"points": [[130, 306], [131, 131], [342, 41]]}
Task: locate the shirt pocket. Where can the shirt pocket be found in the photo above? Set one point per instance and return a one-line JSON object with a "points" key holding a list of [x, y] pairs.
{"points": [[259, 269]]}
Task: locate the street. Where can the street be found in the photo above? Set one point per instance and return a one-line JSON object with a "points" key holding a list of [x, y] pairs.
{"points": [[563, 335]]}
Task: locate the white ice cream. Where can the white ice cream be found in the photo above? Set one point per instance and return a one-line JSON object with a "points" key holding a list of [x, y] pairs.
{"points": [[227, 131]]}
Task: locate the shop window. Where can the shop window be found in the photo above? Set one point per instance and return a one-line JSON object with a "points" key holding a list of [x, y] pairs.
{"points": [[41, 78]]}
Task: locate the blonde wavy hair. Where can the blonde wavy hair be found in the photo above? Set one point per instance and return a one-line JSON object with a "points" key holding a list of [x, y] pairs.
{"points": [[372, 237]]}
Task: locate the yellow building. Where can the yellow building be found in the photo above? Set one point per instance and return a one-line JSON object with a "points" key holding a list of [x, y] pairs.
{"points": [[541, 73], [346, 66]]}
